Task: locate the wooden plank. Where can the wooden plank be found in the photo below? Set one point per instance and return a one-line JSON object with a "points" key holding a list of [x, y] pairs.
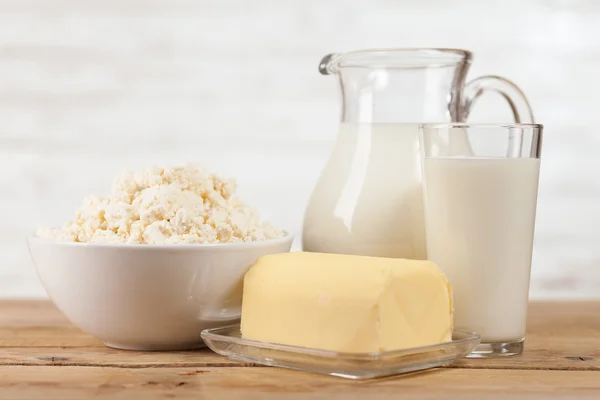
{"points": [[562, 336], [44, 336], [563, 319], [533, 359], [39, 324], [107, 357], [274, 383]]}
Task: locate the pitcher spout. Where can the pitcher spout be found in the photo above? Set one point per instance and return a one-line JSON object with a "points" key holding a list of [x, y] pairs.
{"points": [[329, 64]]}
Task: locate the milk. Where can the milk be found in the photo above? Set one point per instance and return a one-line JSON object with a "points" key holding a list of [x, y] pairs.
{"points": [[368, 200], [480, 215]]}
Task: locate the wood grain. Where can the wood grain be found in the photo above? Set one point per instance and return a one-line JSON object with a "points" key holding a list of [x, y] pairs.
{"points": [[107, 357], [43, 356], [273, 383], [562, 336], [39, 324]]}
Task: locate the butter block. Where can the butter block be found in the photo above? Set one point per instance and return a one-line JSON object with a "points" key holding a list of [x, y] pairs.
{"points": [[346, 303]]}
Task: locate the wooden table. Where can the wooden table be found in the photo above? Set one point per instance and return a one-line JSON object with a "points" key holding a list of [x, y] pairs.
{"points": [[43, 356]]}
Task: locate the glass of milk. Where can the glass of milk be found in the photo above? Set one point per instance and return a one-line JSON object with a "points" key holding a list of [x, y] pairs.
{"points": [[480, 196]]}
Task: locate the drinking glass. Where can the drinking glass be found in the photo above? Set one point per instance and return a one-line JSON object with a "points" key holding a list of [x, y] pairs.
{"points": [[480, 196]]}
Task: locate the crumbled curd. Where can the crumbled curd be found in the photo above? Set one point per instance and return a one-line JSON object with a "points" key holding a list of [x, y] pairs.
{"points": [[166, 205]]}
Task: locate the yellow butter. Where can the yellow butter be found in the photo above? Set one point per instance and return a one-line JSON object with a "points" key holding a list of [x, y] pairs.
{"points": [[346, 303]]}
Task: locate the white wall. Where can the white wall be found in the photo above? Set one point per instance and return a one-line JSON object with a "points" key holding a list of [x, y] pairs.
{"points": [[88, 88]]}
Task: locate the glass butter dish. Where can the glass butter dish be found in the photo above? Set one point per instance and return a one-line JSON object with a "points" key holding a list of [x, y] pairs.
{"points": [[227, 341]]}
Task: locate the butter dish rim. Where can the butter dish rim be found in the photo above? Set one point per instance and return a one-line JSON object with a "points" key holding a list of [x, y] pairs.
{"points": [[207, 335]]}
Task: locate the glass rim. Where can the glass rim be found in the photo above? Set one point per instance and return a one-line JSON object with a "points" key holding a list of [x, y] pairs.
{"points": [[514, 125]]}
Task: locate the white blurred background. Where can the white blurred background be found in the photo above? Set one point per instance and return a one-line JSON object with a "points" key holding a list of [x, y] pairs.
{"points": [[91, 87]]}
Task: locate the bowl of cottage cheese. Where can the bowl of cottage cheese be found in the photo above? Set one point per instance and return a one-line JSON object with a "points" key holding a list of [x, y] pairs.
{"points": [[156, 262]]}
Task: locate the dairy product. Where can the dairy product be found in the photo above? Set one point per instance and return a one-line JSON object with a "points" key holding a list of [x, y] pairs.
{"points": [[368, 200], [166, 205], [480, 216], [346, 303]]}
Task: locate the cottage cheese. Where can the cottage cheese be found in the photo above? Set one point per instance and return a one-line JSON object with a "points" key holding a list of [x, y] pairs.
{"points": [[166, 205]]}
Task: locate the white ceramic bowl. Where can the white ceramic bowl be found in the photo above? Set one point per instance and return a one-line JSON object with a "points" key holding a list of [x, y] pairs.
{"points": [[148, 297]]}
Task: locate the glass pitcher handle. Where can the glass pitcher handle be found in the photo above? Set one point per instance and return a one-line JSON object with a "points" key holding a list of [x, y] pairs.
{"points": [[514, 96]]}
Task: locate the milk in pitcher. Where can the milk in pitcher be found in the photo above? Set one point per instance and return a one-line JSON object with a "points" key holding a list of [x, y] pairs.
{"points": [[368, 200]]}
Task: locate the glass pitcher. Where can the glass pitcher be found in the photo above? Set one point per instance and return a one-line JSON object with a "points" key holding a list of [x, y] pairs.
{"points": [[368, 200]]}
